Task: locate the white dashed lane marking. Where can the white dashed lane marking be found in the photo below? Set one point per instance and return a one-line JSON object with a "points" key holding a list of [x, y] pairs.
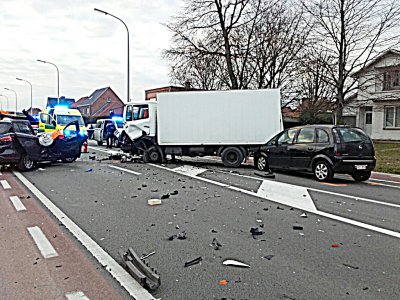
{"points": [[42, 242], [76, 296], [125, 170], [113, 267], [17, 203], [5, 184]]}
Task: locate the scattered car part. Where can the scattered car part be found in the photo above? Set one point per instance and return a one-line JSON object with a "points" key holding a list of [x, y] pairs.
{"points": [[256, 231], [153, 202], [140, 270], [235, 263], [297, 227], [193, 261], [144, 256], [215, 244]]}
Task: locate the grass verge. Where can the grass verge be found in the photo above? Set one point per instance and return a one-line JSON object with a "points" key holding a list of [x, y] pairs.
{"points": [[387, 157]]}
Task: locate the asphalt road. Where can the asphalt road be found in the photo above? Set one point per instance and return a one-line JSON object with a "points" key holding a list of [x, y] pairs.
{"points": [[348, 246]]}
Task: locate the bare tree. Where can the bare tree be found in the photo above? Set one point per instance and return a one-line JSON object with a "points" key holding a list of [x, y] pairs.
{"points": [[352, 33]]}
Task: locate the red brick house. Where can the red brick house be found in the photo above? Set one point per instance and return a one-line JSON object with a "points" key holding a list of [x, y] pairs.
{"points": [[152, 94], [99, 104]]}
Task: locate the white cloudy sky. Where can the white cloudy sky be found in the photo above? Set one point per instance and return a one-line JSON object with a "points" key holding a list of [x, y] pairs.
{"points": [[89, 48]]}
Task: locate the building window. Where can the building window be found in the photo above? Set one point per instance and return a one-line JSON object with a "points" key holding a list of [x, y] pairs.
{"points": [[108, 99], [391, 80], [392, 117]]}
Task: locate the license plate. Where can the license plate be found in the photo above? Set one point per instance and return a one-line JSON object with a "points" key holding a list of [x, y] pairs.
{"points": [[361, 167]]}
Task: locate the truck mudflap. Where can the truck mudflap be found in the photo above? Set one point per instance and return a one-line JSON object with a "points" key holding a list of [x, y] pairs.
{"points": [[140, 270]]}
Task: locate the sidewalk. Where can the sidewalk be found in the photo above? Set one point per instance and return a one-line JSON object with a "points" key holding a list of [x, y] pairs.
{"points": [[39, 259]]}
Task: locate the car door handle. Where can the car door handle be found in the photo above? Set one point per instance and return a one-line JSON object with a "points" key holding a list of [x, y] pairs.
{"points": [[310, 148]]}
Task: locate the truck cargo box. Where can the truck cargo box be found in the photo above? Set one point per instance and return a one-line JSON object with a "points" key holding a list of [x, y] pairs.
{"points": [[235, 117]]}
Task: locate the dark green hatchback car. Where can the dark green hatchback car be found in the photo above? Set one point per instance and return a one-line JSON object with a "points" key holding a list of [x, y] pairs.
{"points": [[321, 149]]}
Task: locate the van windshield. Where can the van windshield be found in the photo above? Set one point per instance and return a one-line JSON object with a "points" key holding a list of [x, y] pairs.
{"points": [[120, 124], [65, 119]]}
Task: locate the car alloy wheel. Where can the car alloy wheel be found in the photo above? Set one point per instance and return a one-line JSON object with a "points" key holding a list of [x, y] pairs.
{"points": [[262, 163], [322, 171]]}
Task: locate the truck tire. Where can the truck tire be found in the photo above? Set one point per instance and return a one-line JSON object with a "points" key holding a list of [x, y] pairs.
{"points": [[232, 157], [261, 162], [152, 155]]}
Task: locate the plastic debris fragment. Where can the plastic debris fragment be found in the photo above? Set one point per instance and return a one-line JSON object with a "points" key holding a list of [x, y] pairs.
{"points": [[153, 202], [235, 263]]}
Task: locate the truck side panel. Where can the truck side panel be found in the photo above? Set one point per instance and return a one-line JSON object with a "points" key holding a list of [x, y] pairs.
{"points": [[245, 117]]}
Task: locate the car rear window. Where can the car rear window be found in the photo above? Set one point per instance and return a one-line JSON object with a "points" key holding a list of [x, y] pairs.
{"points": [[353, 135], [5, 128]]}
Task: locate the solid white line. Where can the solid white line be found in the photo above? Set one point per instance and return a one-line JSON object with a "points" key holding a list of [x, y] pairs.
{"points": [[122, 276], [381, 180], [42, 242], [5, 184], [355, 198], [323, 191], [76, 296], [17, 203], [324, 214], [125, 170]]}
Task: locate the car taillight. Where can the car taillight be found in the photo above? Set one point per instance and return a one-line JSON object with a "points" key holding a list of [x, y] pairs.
{"points": [[338, 154], [6, 138]]}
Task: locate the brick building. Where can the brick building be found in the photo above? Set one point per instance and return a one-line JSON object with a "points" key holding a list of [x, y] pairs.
{"points": [[99, 104]]}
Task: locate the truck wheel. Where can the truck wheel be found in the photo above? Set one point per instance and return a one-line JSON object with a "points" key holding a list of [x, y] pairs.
{"points": [[261, 162], [99, 143], [232, 157], [25, 163], [151, 155], [361, 176], [323, 171]]}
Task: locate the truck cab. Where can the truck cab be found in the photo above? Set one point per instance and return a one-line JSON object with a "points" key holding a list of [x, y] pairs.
{"points": [[140, 119]]}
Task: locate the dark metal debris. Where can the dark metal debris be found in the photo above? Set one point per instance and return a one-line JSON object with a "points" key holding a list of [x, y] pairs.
{"points": [[269, 257], [351, 267], [165, 196], [297, 227], [140, 270], [265, 175], [215, 244], [193, 261], [256, 231]]}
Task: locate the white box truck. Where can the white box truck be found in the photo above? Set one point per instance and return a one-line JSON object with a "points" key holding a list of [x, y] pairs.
{"points": [[230, 124]]}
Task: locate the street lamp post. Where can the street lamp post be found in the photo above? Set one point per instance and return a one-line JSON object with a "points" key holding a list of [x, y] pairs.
{"points": [[16, 103], [106, 13], [58, 78], [31, 92]]}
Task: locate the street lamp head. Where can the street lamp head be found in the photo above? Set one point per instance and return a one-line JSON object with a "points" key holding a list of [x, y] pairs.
{"points": [[101, 11], [39, 60], [18, 78]]}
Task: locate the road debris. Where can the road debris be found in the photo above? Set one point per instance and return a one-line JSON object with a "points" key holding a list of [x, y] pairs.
{"points": [[304, 215], [297, 227], [265, 175], [350, 266], [174, 192], [215, 244], [223, 282], [335, 245], [144, 256], [140, 270], [165, 196], [235, 263], [41, 169], [181, 235], [256, 231], [268, 257], [89, 170], [92, 157], [193, 261], [153, 202]]}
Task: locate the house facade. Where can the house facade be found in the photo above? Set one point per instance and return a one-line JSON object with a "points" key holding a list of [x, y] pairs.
{"points": [[376, 106], [99, 104]]}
